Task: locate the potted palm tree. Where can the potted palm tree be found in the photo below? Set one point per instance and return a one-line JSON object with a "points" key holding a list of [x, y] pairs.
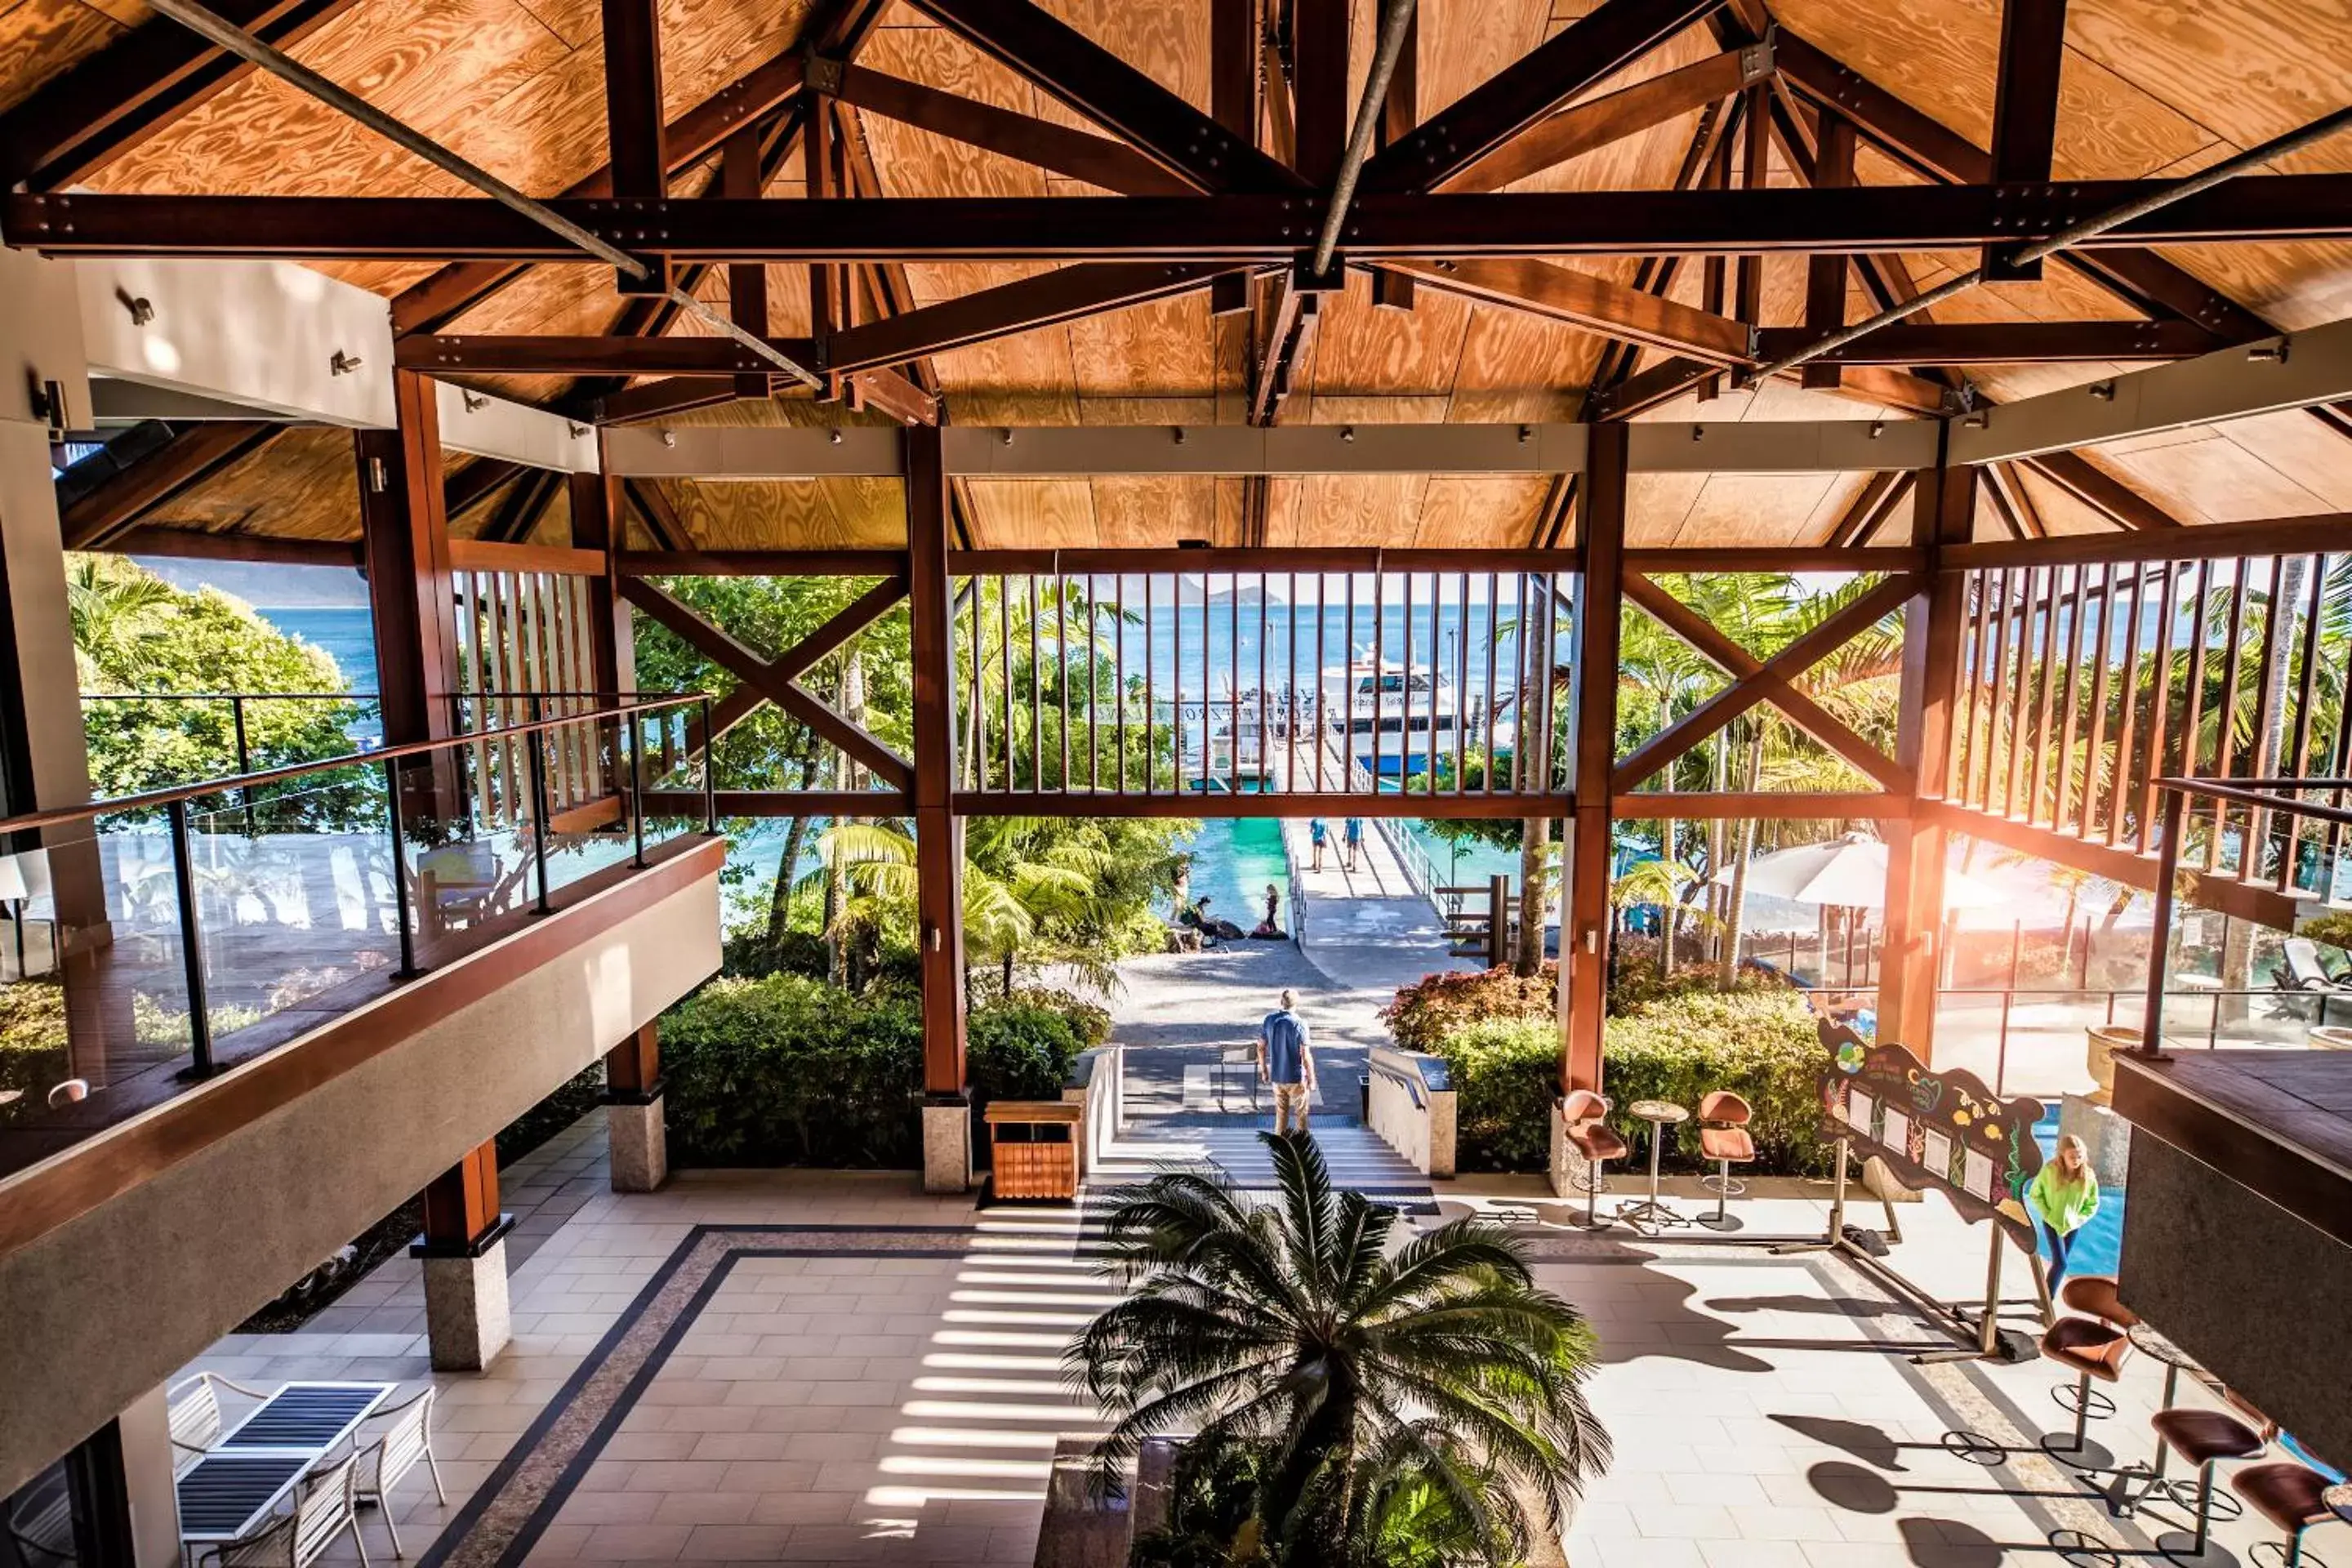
{"points": [[1352, 1398]]}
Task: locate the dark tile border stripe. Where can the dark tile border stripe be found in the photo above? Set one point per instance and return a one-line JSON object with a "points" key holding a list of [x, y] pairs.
{"points": [[511, 1509]]}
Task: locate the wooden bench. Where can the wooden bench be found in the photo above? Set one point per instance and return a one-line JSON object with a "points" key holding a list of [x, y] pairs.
{"points": [[1033, 1148]]}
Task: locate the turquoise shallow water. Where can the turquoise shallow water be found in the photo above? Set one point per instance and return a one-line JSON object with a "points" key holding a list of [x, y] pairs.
{"points": [[1233, 861]]}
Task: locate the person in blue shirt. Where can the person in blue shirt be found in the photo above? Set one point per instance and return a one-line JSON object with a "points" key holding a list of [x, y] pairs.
{"points": [[1355, 840], [1286, 1059], [1316, 834]]}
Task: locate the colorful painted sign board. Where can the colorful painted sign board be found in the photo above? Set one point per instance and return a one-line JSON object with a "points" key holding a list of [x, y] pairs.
{"points": [[1940, 1130]]}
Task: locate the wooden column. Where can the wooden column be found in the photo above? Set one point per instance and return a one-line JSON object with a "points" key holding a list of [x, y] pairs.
{"points": [[633, 1068], [1584, 912], [1943, 508], [939, 837], [461, 1206], [405, 533], [597, 524]]}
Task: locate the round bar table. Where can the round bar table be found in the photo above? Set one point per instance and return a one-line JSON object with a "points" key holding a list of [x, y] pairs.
{"points": [[1660, 1114]]}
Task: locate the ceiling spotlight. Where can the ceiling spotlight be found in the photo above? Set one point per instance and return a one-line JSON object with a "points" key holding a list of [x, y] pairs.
{"points": [[2104, 390], [669, 437]]}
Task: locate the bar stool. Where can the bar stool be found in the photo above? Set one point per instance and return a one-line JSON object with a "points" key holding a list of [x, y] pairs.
{"points": [[1584, 1118], [2093, 1296], [2292, 1497], [1723, 1137], [2204, 1438], [2093, 1349]]}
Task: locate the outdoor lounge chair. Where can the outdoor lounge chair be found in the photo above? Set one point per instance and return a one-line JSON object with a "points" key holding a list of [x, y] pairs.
{"points": [[325, 1505], [40, 1522], [196, 1415], [405, 1439], [2302, 968]]}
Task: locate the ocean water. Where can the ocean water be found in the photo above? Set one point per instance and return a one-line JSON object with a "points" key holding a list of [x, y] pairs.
{"points": [[342, 634]]}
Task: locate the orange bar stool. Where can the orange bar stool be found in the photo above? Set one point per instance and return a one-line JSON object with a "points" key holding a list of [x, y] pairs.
{"points": [[2291, 1496], [2093, 1349], [2093, 1296], [1584, 1115], [2204, 1438], [1723, 1137]]}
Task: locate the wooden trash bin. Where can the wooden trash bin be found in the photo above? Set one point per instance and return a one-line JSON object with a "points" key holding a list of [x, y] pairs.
{"points": [[1033, 1148]]}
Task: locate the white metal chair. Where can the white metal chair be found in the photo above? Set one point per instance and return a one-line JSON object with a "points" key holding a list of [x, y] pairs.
{"points": [[325, 1505], [40, 1522], [396, 1451], [195, 1416]]}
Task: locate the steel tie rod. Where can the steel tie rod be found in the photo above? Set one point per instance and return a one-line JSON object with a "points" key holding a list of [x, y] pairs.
{"points": [[237, 41]]}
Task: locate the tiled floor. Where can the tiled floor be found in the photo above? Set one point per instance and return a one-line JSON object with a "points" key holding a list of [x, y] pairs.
{"points": [[808, 1367]]}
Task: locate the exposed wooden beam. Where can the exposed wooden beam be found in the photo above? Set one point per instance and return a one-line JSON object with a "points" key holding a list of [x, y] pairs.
{"points": [[661, 520], [1113, 93], [1097, 160], [1584, 127], [432, 302], [653, 399], [1825, 271], [473, 483], [634, 131], [747, 665], [743, 174], [2212, 541], [1770, 679], [1234, 229], [1869, 506], [1777, 688], [1582, 299], [1587, 52], [2025, 110], [191, 457], [1400, 112], [447, 354], [842, 625], [1941, 153], [188, 543], [1318, 76], [79, 121], [2001, 342], [525, 504], [1024, 305], [687, 562], [2102, 493]]}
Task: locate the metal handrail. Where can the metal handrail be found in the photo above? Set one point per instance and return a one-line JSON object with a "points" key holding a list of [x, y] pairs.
{"points": [[150, 799], [228, 696], [2260, 793]]}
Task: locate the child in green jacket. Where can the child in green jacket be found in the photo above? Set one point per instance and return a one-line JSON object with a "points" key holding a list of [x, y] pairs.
{"points": [[2063, 1195]]}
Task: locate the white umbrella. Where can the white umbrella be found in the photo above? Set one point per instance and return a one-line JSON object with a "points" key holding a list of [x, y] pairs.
{"points": [[1848, 872]]}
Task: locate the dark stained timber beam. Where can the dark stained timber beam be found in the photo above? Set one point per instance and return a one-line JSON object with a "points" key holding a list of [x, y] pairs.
{"points": [[1580, 128], [1230, 228], [1936, 150], [1096, 160], [1113, 93], [2025, 110], [448, 293], [1587, 52], [188, 544], [765, 675], [1582, 299], [653, 399], [2001, 342], [191, 457], [634, 131], [449, 354], [668, 530], [2095, 487], [84, 118], [1659, 385], [1024, 305]]}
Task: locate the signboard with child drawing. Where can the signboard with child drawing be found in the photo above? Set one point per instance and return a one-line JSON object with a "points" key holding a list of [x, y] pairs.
{"points": [[1940, 1130]]}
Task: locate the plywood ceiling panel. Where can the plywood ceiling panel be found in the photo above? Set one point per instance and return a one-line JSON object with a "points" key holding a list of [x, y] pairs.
{"points": [[39, 38], [304, 484]]}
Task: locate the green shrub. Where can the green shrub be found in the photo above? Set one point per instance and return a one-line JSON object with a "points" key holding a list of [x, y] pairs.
{"points": [[1506, 1075], [1760, 1041], [1685, 1040], [1437, 1005], [784, 1069]]}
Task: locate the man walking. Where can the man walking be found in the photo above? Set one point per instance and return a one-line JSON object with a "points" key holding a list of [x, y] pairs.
{"points": [[1286, 1059], [1315, 835], [1355, 841]]}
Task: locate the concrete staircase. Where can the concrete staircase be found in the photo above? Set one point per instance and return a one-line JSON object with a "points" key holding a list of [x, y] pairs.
{"points": [[1360, 1161]]}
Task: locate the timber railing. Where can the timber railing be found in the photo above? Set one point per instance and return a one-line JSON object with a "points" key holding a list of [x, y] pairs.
{"points": [[2085, 688], [170, 935], [1152, 681]]}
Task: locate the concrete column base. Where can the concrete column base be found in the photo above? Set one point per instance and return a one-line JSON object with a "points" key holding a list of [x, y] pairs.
{"points": [[947, 1147], [466, 1322], [2105, 1134], [1567, 1165], [640, 1146]]}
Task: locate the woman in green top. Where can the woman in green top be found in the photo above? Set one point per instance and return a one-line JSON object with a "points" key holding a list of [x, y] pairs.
{"points": [[2063, 1195]]}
